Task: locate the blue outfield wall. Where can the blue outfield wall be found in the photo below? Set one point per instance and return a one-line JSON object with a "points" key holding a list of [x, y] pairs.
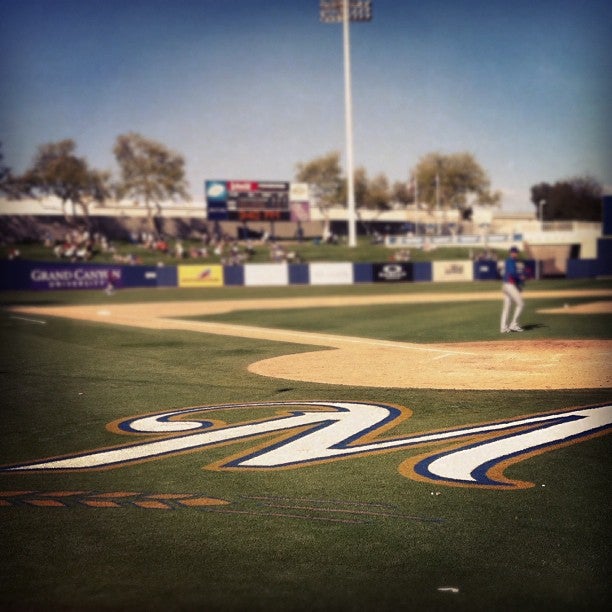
{"points": [[486, 270], [141, 276], [604, 256], [422, 271], [363, 273], [18, 275], [167, 276], [591, 268], [582, 268], [233, 275], [10, 271], [607, 216], [299, 274]]}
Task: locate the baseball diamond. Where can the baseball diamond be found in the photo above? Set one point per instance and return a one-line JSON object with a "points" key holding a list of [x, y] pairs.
{"points": [[305, 306], [296, 448]]}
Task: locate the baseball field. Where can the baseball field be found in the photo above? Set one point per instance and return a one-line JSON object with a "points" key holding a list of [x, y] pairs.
{"points": [[306, 448]]}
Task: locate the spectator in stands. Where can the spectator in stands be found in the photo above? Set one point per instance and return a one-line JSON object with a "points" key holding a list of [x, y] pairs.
{"points": [[162, 246], [250, 249], [402, 255], [377, 238], [179, 251], [277, 252]]}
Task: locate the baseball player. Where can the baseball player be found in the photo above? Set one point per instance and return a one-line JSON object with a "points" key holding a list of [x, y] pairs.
{"points": [[513, 281]]}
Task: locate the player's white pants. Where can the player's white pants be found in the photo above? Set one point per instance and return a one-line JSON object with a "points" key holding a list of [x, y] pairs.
{"points": [[511, 296]]}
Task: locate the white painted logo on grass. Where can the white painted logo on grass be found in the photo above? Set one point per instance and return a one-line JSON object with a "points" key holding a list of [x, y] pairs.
{"points": [[320, 431]]}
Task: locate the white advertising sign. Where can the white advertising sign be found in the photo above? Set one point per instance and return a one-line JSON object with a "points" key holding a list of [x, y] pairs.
{"points": [[266, 274], [331, 273]]}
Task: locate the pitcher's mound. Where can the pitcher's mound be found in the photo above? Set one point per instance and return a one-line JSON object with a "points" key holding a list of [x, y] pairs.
{"points": [[545, 364]]}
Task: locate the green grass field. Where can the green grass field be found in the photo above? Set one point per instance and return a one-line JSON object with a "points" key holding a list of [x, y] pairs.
{"points": [[351, 534]]}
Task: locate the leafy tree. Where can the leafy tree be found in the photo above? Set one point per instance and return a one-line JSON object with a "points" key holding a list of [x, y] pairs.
{"points": [[378, 193], [324, 176], [403, 193], [329, 186], [150, 173], [360, 185], [454, 181], [577, 199], [373, 194], [57, 171]]}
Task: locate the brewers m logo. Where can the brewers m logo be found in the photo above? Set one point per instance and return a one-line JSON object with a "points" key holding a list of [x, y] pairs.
{"points": [[311, 432]]}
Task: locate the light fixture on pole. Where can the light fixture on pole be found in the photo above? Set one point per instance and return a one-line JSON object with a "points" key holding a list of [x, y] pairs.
{"points": [[344, 11]]}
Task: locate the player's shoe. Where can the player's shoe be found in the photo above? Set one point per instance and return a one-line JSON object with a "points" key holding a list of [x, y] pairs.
{"points": [[516, 328], [505, 330]]}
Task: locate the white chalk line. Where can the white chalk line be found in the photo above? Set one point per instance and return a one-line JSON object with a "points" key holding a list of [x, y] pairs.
{"points": [[311, 338], [28, 320]]}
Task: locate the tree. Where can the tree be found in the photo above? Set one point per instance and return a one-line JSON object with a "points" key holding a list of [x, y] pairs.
{"points": [[324, 176], [402, 192], [372, 194], [57, 171], [576, 199], [150, 173], [378, 193], [453, 181], [360, 185]]}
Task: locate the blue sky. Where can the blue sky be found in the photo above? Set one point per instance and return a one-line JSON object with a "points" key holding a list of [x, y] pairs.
{"points": [[246, 89]]}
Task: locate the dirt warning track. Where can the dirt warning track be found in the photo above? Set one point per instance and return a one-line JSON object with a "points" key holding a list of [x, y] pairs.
{"points": [[354, 361]]}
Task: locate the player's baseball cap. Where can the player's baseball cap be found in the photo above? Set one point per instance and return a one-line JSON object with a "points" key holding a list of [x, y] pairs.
{"points": [[514, 250]]}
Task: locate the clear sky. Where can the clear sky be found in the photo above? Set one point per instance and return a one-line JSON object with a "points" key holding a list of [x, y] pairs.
{"points": [[246, 89]]}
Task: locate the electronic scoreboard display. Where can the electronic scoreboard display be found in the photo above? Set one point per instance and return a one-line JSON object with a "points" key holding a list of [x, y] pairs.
{"points": [[256, 201]]}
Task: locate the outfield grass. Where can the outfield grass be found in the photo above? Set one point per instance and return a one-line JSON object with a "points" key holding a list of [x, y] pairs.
{"points": [[346, 535], [441, 322]]}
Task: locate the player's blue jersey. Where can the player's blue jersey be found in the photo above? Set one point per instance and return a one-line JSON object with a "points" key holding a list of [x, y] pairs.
{"points": [[511, 272]]}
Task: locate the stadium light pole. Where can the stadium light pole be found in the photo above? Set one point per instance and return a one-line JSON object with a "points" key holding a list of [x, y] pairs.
{"points": [[345, 11]]}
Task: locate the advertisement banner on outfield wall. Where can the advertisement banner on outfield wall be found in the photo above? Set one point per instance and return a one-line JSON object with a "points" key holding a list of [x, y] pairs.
{"points": [[70, 276], [395, 272], [266, 274], [453, 271], [200, 276], [331, 273]]}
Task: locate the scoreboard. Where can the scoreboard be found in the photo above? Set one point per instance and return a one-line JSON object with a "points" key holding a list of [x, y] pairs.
{"points": [[256, 201]]}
